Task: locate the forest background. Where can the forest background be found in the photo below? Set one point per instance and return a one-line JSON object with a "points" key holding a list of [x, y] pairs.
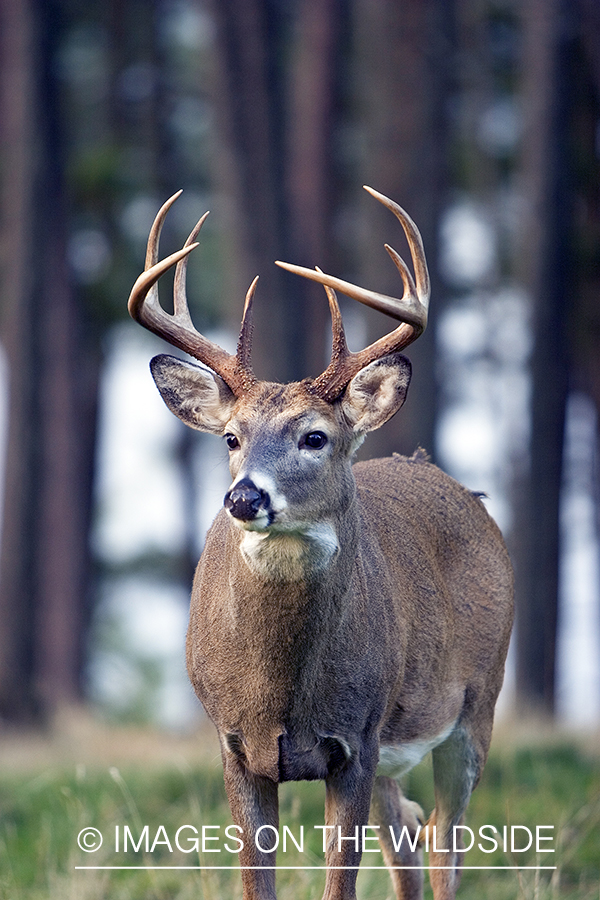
{"points": [[480, 117]]}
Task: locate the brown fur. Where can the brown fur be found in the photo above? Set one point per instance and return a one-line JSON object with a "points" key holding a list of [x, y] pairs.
{"points": [[344, 621], [360, 617], [406, 633]]}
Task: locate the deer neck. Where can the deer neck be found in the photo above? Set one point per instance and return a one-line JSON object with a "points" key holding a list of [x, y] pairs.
{"points": [[283, 591]]}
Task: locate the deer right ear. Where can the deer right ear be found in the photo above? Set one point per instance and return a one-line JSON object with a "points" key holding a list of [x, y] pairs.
{"points": [[377, 392], [197, 396]]}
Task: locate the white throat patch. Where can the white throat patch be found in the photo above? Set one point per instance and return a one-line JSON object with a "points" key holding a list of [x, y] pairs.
{"points": [[290, 555]]}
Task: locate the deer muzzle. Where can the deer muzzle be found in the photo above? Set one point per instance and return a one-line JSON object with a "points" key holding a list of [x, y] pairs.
{"points": [[245, 500]]}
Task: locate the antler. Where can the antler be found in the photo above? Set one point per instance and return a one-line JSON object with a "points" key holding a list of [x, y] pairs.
{"points": [[178, 329], [410, 309]]}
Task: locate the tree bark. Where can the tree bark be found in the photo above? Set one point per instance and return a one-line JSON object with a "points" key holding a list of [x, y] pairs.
{"points": [[403, 56], [249, 79], [545, 265], [52, 373], [19, 158]]}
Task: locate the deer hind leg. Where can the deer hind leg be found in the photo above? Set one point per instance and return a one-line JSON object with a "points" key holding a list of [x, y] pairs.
{"points": [[253, 803], [399, 821], [457, 765]]}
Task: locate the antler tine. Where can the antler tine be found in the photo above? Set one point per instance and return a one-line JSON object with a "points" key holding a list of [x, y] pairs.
{"points": [[417, 251], [339, 347], [180, 304], [178, 329], [244, 346], [412, 306], [410, 309]]}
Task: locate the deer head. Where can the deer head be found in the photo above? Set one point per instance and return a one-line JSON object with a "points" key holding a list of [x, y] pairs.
{"points": [[325, 417]]}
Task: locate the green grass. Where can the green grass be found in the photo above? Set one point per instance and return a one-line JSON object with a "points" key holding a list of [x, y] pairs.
{"points": [[43, 810]]}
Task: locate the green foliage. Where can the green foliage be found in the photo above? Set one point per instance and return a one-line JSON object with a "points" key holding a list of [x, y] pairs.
{"points": [[42, 814]]}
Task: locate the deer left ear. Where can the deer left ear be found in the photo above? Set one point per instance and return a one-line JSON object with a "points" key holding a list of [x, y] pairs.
{"points": [[377, 392], [197, 396]]}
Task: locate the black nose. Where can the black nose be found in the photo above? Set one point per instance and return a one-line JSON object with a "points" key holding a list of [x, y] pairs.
{"points": [[244, 500]]}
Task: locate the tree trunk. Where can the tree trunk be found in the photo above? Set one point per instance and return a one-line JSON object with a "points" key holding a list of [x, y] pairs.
{"points": [[249, 81], [275, 100], [21, 465], [52, 372], [310, 179], [545, 272], [403, 54]]}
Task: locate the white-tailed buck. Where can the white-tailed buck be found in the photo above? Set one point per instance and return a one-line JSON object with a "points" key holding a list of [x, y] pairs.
{"points": [[345, 620]]}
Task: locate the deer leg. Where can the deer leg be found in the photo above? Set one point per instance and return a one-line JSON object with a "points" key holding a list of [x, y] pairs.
{"points": [[347, 802], [391, 811], [457, 764], [253, 803]]}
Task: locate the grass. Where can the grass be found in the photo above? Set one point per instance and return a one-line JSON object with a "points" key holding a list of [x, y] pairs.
{"points": [[112, 782]]}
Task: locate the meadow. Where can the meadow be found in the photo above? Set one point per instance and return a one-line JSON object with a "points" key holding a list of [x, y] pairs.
{"points": [[153, 799]]}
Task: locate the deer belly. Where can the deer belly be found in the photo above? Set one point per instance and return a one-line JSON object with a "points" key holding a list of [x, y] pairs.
{"points": [[396, 760]]}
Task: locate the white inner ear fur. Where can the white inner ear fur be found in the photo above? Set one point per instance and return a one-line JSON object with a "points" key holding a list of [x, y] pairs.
{"points": [[376, 393], [197, 396]]}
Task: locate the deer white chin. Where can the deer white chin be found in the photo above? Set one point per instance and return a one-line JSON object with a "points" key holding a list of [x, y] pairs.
{"points": [[287, 554], [261, 522]]}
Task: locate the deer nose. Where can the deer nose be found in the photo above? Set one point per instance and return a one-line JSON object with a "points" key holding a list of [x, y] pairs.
{"points": [[244, 500]]}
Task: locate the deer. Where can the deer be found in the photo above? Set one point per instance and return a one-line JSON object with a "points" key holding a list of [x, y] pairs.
{"points": [[345, 619]]}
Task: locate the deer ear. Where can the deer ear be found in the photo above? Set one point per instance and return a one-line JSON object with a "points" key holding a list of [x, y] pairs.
{"points": [[377, 392], [197, 396]]}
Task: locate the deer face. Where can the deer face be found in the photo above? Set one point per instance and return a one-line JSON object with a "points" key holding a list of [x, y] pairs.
{"points": [[290, 452], [287, 456]]}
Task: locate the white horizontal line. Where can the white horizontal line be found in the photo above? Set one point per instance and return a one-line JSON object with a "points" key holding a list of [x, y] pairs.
{"points": [[320, 868]]}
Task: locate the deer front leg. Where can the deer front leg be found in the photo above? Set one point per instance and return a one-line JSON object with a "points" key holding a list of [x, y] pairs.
{"points": [[253, 802], [347, 802]]}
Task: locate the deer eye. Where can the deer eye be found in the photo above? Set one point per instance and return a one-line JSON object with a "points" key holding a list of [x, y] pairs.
{"points": [[232, 441], [314, 440]]}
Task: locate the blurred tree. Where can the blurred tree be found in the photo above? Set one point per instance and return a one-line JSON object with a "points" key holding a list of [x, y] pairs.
{"points": [[312, 176], [95, 120], [545, 271], [403, 82], [585, 146], [107, 108], [274, 96], [16, 587], [52, 376], [558, 264], [558, 245], [299, 89]]}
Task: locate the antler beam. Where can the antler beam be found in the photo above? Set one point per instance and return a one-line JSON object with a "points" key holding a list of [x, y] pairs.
{"points": [[410, 309]]}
